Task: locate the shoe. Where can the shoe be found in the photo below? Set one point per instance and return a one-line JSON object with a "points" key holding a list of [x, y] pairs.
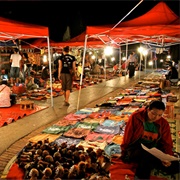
{"points": [[66, 103]]}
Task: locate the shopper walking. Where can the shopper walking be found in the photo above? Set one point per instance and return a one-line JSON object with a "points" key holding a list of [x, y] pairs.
{"points": [[131, 64], [66, 71], [147, 126], [15, 60]]}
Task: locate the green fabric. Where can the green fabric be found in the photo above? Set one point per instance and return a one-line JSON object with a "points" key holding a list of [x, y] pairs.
{"points": [[54, 129]]}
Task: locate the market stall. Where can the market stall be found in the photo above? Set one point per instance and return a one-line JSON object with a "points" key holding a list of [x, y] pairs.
{"points": [[13, 30]]}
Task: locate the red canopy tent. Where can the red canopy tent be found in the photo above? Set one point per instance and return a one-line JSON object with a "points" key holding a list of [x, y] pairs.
{"points": [[12, 30], [78, 41], [160, 14], [160, 25]]}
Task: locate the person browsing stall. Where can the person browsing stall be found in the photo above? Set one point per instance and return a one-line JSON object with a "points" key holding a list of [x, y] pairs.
{"points": [[66, 71], [147, 126], [15, 60]]}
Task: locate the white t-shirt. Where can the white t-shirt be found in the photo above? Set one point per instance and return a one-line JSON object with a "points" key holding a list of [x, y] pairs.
{"points": [[16, 58]]}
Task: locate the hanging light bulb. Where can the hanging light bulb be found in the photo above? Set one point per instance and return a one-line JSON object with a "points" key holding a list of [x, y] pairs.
{"points": [[108, 50]]}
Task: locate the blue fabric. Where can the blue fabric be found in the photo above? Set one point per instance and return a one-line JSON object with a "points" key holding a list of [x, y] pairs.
{"points": [[69, 141], [112, 149], [107, 130]]}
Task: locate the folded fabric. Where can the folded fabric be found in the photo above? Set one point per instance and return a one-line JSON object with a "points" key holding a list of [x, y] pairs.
{"points": [[117, 139], [93, 144], [75, 117], [87, 125], [93, 136], [42, 137], [77, 132], [107, 130], [54, 129], [65, 122], [94, 120], [67, 140], [108, 122], [112, 148]]}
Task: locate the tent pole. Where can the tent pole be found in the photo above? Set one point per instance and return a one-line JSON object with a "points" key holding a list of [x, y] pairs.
{"points": [[81, 77], [50, 71], [126, 58], [127, 14], [120, 62]]}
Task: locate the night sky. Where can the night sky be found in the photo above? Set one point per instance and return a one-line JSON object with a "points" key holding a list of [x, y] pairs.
{"points": [[57, 15]]}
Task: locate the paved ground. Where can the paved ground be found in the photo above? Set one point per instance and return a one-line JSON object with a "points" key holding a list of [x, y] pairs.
{"points": [[14, 136]]}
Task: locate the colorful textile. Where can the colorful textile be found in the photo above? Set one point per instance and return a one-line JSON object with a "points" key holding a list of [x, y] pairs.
{"points": [[65, 122], [95, 115], [93, 136], [87, 125], [117, 139], [94, 145], [77, 132], [69, 141], [54, 129], [112, 148], [42, 137], [129, 110], [5, 96], [108, 122], [94, 120], [87, 110], [122, 117], [107, 130], [75, 117]]}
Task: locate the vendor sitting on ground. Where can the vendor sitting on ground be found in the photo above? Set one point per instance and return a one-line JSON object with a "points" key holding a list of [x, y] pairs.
{"points": [[115, 69], [29, 82], [148, 127], [172, 76]]}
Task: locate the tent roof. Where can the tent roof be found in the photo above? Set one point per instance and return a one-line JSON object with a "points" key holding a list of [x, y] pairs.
{"points": [[78, 41], [160, 14], [160, 26], [10, 29]]}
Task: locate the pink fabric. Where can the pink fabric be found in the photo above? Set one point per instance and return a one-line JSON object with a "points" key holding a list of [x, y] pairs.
{"points": [[5, 96], [92, 136]]}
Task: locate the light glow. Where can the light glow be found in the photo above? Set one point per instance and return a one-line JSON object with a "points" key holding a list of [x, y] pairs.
{"points": [[108, 50], [150, 63], [44, 58]]}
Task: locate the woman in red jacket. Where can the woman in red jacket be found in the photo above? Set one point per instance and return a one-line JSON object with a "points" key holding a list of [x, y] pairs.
{"points": [[147, 126]]}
